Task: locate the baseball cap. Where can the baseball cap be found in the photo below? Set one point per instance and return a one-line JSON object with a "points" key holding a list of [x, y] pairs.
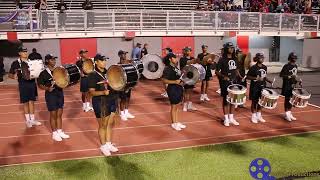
{"points": [[171, 55], [49, 56], [187, 48], [83, 51], [121, 52], [100, 57], [168, 49], [204, 46], [23, 49]]}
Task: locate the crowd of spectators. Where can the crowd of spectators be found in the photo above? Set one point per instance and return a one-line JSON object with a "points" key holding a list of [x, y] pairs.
{"points": [[266, 6]]}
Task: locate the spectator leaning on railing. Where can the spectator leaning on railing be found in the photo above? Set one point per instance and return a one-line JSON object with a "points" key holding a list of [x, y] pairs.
{"points": [[42, 6], [62, 7], [87, 5]]}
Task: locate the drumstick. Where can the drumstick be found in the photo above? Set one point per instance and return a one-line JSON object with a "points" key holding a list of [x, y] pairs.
{"points": [[244, 78]]}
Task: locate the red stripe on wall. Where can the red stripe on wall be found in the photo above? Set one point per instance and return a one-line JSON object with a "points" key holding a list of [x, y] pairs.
{"points": [[177, 44], [12, 36], [243, 43], [69, 49]]}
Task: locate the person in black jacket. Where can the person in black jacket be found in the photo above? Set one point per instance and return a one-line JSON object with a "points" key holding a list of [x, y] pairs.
{"points": [[62, 7], [35, 55], [205, 82], [166, 62], [88, 6], [289, 77]]}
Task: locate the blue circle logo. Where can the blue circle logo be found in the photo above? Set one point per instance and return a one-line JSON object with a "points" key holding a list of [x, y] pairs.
{"points": [[260, 169]]}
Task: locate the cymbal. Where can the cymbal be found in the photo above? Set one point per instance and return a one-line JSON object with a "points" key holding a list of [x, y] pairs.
{"points": [[209, 56]]}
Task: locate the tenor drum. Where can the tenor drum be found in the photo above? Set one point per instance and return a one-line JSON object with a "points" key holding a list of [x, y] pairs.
{"points": [[139, 66], [122, 77], [66, 75], [193, 73], [153, 66], [300, 97], [236, 94], [32, 69], [88, 66], [269, 98]]}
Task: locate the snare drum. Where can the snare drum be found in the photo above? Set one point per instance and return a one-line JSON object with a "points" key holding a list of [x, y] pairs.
{"points": [[269, 98], [32, 69], [236, 94], [122, 77], [66, 75], [139, 66], [300, 97]]}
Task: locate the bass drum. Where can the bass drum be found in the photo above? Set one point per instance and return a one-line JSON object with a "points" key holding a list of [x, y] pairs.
{"points": [[193, 73], [66, 75], [88, 66], [153, 66], [122, 77], [139, 66], [32, 69]]}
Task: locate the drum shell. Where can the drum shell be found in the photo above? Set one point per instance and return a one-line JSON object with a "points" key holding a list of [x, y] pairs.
{"points": [[198, 71], [66, 75], [236, 96], [32, 69], [88, 66], [153, 66], [300, 100], [269, 98], [122, 77]]}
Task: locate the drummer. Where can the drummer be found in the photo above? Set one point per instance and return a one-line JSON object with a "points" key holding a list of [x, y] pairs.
{"points": [[289, 76], [124, 95], [258, 76], [227, 70], [187, 59], [171, 77], [166, 62], [104, 102], [205, 82], [54, 98], [27, 88], [84, 82], [242, 71]]}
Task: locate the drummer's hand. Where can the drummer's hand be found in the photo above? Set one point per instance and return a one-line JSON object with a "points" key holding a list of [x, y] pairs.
{"points": [[15, 76], [106, 92], [226, 78], [259, 78], [178, 81], [50, 89]]}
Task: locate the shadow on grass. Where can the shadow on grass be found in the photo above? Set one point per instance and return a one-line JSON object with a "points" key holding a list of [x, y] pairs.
{"points": [[122, 169], [233, 148]]}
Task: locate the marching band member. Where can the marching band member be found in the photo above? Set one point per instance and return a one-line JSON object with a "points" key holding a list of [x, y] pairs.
{"points": [[104, 101], [54, 98], [27, 88], [171, 77], [186, 60], [166, 62], [124, 95], [289, 76], [205, 82], [84, 82], [258, 76], [227, 70]]}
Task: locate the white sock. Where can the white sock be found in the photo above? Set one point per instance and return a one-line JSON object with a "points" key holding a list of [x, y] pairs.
{"points": [[231, 116], [59, 130], [126, 111], [189, 103], [27, 116], [88, 104], [32, 117], [288, 113], [226, 117], [108, 143], [122, 112], [259, 115], [84, 105], [254, 115]]}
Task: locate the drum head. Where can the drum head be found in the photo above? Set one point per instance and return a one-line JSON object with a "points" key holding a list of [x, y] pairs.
{"points": [[191, 75], [116, 77], [301, 93], [153, 66], [88, 66], [60, 76], [236, 87]]}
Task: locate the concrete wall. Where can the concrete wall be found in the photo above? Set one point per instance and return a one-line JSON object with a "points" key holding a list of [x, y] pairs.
{"points": [[214, 44], [290, 44], [311, 53]]}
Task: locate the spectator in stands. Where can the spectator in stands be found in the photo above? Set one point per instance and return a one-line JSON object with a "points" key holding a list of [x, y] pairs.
{"points": [[18, 4], [42, 6], [144, 50], [61, 7], [34, 55], [88, 6], [2, 71], [136, 52]]}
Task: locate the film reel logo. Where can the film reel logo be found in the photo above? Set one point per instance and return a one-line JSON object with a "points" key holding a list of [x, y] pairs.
{"points": [[260, 169]]}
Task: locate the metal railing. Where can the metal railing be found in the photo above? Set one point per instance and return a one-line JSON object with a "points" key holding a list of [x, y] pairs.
{"points": [[157, 20]]}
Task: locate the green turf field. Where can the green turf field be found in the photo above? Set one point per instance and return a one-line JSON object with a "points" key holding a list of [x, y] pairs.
{"points": [[287, 155]]}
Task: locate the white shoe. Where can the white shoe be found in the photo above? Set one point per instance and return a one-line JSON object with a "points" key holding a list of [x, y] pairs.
{"points": [[56, 136], [182, 126], [62, 134], [35, 122], [190, 106], [29, 123], [292, 118], [185, 107], [202, 97], [90, 108], [128, 115], [206, 97], [254, 119], [233, 121], [261, 119], [105, 151], [219, 91], [123, 117], [226, 122], [165, 94], [176, 126], [111, 147], [287, 118]]}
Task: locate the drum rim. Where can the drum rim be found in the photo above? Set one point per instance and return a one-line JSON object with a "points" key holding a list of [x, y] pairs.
{"points": [[270, 96], [125, 76], [240, 92], [28, 68], [244, 101], [68, 77], [161, 66], [298, 106], [94, 66], [299, 95]]}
